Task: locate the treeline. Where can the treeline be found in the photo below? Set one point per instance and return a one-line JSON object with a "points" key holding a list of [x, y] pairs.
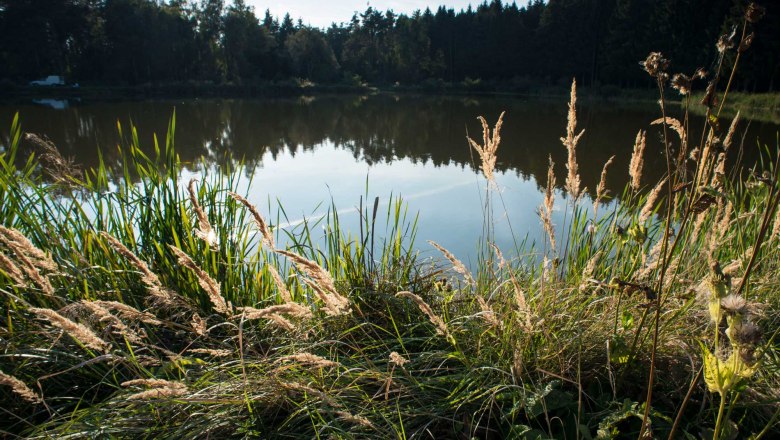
{"points": [[134, 42]]}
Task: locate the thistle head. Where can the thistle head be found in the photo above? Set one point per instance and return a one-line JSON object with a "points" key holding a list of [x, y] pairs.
{"points": [[754, 12], [734, 305], [655, 65]]}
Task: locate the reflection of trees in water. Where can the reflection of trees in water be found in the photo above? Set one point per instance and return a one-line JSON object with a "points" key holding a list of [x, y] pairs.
{"points": [[376, 129]]}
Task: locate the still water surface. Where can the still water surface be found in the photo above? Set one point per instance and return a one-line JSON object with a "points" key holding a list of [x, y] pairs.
{"points": [[306, 152]]}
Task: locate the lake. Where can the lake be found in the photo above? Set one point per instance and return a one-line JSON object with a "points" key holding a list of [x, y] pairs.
{"points": [[306, 152]]}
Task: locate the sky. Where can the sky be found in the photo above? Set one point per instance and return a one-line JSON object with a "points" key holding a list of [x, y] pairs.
{"points": [[321, 13]]}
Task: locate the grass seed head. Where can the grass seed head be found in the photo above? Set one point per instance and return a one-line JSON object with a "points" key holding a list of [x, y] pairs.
{"points": [[19, 388]]}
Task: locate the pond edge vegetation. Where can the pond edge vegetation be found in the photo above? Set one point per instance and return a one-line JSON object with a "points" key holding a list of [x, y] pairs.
{"points": [[138, 305]]}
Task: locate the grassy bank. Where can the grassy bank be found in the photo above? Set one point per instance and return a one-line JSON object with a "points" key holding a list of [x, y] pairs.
{"points": [[139, 305]]}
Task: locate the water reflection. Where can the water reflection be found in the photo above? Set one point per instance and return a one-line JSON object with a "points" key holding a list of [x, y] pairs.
{"points": [[373, 129], [311, 150]]}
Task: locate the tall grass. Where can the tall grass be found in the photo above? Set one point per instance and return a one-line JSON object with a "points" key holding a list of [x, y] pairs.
{"points": [[138, 305]]}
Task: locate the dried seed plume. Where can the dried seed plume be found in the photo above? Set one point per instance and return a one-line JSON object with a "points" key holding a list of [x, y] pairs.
{"points": [[490, 143], [573, 184], [262, 226]]}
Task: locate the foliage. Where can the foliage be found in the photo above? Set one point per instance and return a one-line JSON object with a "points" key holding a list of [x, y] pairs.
{"points": [[597, 41]]}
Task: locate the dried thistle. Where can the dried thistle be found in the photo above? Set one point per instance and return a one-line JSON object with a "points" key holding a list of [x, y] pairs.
{"points": [[647, 209], [204, 231], [655, 65], [19, 388], [457, 265], [77, 331], [284, 293], [754, 12], [487, 151], [727, 41], [682, 83], [206, 282], [441, 327], [601, 188], [746, 333], [734, 305], [265, 231], [637, 163], [746, 42], [573, 184]]}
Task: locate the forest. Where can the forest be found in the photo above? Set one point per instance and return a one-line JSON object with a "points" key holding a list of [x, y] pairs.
{"points": [[599, 42]]}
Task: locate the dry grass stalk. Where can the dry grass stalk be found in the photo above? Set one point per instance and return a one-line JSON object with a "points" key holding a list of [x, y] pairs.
{"points": [[457, 265], [730, 134], [198, 325], [776, 225], [705, 160], [280, 321], [499, 256], [573, 184], [675, 125], [210, 352], [487, 151], [545, 211], [103, 315], [637, 160], [719, 230], [590, 266], [204, 231], [77, 331], [321, 282], [309, 359], [60, 169], [129, 312], [290, 308], [21, 244], [19, 388], [397, 360], [601, 189], [487, 313], [294, 386], [649, 205], [208, 284], [265, 231], [160, 389], [149, 278], [10, 269], [519, 295], [284, 293], [356, 420], [32, 259], [441, 327]]}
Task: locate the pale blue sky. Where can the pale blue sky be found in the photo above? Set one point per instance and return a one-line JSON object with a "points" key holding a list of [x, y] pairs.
{"points": [[321, 13]]}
